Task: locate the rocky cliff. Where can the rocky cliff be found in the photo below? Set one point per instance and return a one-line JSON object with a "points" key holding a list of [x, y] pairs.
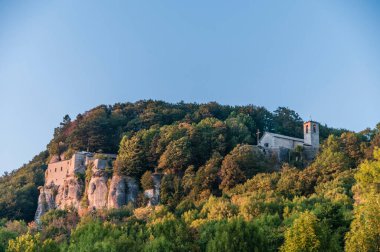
{"points": [[101, 192]]}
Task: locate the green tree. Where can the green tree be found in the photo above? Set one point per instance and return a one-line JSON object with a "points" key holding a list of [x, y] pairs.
{"points": [[287, 122], [364, 233], [32, 243], [241, 163], [5, 236], [97, 236], [302, 236], [147, 181], [177, 156], [170, 234], [131, 160], [232, 235]]}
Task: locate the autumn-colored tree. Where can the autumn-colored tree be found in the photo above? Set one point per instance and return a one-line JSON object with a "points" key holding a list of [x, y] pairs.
{"points": [[241, 163], [302, 236], [147, 181], [364, 233], [177, 156]]}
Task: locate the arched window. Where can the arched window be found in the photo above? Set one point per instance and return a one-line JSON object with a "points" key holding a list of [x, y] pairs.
{"points": [[55, 170], [307, 129], [314, 128], [61, 168]]}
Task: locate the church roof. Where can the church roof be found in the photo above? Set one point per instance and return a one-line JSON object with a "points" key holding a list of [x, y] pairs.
{"points": [[283, 136]]}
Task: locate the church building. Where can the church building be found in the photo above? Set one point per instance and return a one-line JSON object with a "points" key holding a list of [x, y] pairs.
{"points": [[281, 144]]}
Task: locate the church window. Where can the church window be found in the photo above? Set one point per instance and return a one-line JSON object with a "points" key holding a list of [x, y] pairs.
{"points": [[307, 129], [61, 168], [314, 128], [55, 170]]}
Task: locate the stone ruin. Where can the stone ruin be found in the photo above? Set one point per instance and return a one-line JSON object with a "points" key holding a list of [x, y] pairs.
{"points": [[65, 185]]}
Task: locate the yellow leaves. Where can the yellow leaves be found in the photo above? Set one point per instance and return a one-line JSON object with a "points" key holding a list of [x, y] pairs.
{"points": [[143, 213], [376, 153], [302, 235], [218, 209]]}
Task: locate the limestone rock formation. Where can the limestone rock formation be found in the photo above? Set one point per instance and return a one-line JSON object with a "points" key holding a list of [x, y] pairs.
{"points": [[97, 191], [117, 195], [122, 191], [70, 193], [65, 187], [46, 200], [133, 189]]}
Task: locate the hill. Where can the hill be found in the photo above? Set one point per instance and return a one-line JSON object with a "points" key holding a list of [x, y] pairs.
{"points": [[214, 181]]}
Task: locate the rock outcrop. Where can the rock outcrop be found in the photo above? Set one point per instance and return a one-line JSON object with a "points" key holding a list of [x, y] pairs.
{"points": [[122, 191], [97, 191], [65, 186], [70, 193], [117, 196], [46, 200]]}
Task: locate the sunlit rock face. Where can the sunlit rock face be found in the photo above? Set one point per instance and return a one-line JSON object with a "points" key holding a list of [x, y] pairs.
{"points": [[65, 185], [46, 200], [70, 193], [117, 195], [97, 191]]}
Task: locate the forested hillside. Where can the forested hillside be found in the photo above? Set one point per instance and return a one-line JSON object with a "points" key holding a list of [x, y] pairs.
{"points": [[216, 183]]}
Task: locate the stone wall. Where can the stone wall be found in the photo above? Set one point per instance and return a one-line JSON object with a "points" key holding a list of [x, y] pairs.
{"points": [[57, 172]]}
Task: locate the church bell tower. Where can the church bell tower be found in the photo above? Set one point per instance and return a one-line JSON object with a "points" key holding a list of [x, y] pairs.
{"points": [[311, 133]]}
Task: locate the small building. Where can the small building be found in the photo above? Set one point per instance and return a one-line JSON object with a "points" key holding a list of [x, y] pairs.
{"points": [[281, 145]]}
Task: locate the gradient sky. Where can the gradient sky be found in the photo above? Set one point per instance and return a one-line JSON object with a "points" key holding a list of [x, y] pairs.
{"points": [[320, 58]]}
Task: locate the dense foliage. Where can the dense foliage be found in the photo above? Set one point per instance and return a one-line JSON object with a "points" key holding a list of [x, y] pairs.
{"points": [[219, 191]]}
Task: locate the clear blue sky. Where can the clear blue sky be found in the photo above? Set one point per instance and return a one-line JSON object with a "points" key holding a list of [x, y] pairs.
{"points": [[320, 58]]}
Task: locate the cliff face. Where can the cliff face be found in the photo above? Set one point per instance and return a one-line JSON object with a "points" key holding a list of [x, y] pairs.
{"points": [[122, 191], [97, 191], [70, 193], [102, 192]]}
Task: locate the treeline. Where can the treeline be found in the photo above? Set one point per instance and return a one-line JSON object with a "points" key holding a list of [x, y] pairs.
{"points": [[102, 128]]}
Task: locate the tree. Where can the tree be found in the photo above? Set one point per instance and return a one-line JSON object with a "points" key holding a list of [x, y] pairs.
{"points": [[364, 233], [97, 236], [131, 160], [32, 243], [208, 136], [302, 236], [5, 236], [241, 163], [230, 236], [287, 122], [177, 156], [170, 234], [240, 128], [188, 179], [171, 191], [207, 178], [147, 181]]}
